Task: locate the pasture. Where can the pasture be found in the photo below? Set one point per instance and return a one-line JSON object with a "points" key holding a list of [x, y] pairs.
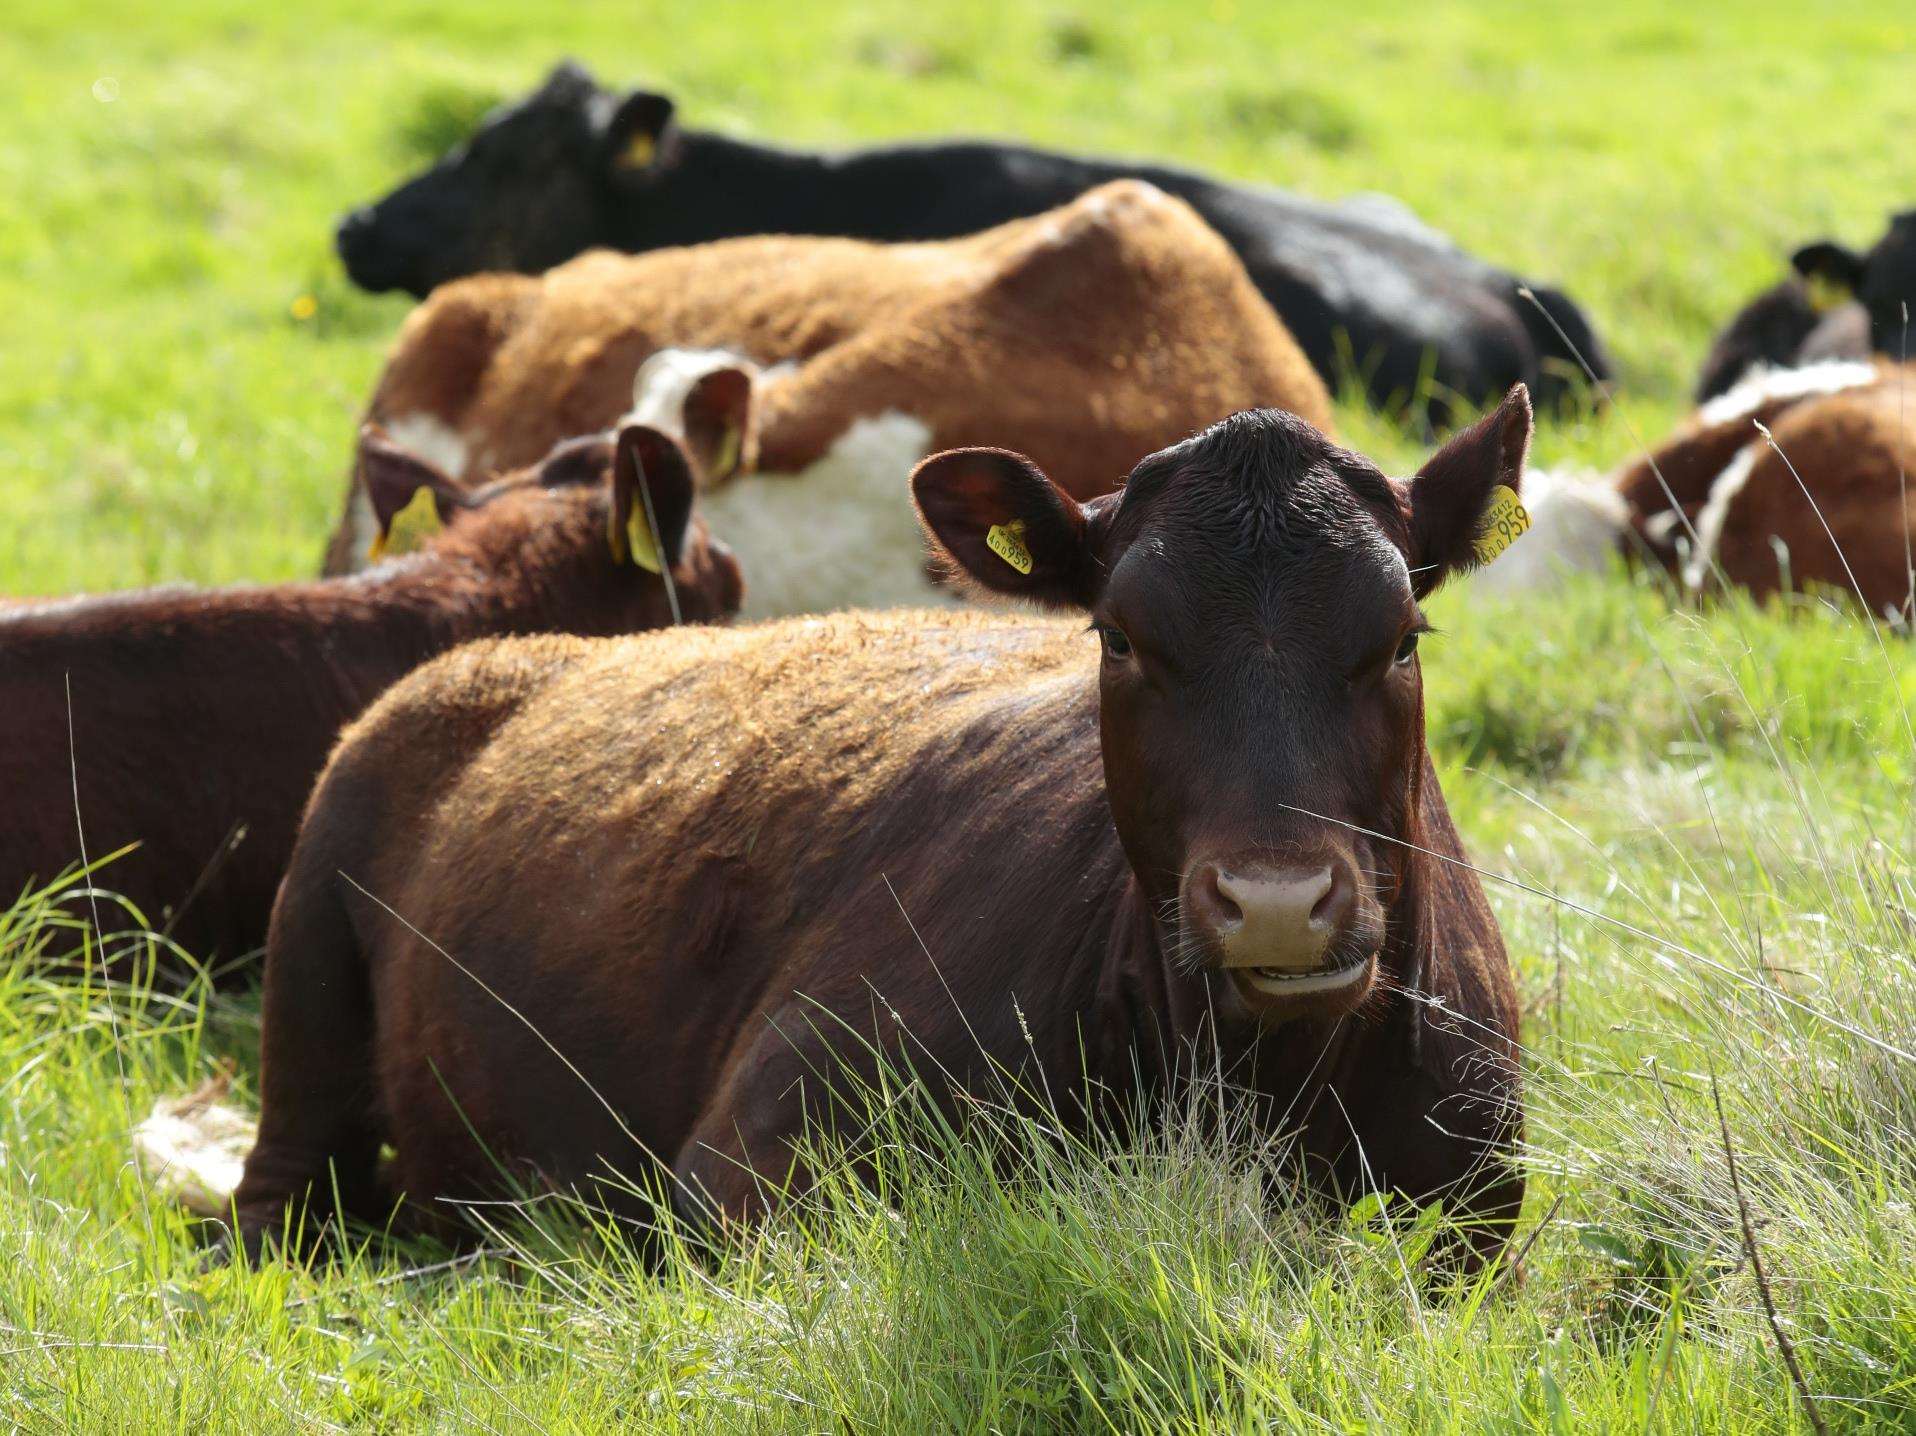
{"points": [[1700, 827]]}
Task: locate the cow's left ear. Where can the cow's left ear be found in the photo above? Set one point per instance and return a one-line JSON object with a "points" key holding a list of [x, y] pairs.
{"points": [[1833, 264], [639, 133], [1460, 513], [652, 494], [411, 499], [999, 521]]}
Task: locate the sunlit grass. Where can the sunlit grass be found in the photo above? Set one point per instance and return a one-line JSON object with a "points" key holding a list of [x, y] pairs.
{"points": [[1697, 828], [1736, 913]]}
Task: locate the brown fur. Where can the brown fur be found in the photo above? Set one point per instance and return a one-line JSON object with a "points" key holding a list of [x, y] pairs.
{"points": [[200, 716], [673, 859], [1085, 337], [1854, 451]]}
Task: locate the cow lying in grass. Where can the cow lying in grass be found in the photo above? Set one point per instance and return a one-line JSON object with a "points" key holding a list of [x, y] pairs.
{"points": [[199, 718], [1837, 305], [573, 166], [1203, 838], [1827, 502], [1086, 338]]}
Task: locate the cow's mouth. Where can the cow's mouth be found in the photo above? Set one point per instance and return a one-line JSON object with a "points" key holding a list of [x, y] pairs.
{"points": [[1338, 983]]}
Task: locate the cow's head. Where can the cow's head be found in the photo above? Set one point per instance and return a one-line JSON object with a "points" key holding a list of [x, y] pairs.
{"points": [[535, 185], [1883, 280], [590, 532], [1254, 591]]}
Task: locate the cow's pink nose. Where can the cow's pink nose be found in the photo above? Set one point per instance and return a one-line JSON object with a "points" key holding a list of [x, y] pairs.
{"points": [[1284, 917]]}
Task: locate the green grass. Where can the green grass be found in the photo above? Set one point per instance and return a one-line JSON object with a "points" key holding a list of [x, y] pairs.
{"points": [[1730, 792]]}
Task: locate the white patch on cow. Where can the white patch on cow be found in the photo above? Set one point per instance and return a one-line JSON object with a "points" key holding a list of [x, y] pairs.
{"points": [[1576, 523], [1716, 513], [842, 533], [1767, 386], [193, 1150], [432, 439]]}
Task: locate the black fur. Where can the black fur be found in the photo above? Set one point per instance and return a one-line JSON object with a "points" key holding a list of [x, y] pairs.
{"points": [[1781, 328]]}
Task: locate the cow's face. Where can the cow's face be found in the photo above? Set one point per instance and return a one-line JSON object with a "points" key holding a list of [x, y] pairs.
{"points": [[1883, 280], [1254, 595], [590, 533], [534, 186]]}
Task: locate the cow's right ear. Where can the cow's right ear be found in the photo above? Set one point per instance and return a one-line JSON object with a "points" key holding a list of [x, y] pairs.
{"points": [[411, 499], [998, 520], [639, 133], [652, 495], [1834, 266]]}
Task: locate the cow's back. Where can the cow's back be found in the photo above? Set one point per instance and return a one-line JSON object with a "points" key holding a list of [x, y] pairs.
{"points": [[1084, 338], [507, 365], [624, 849]]}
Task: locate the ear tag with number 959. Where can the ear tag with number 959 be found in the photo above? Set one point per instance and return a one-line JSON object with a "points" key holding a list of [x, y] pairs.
{"points": [[1504, 522]]}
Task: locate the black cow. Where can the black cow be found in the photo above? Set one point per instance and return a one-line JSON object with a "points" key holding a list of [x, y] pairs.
{"points": [[1362, 283], [1838, 305]]}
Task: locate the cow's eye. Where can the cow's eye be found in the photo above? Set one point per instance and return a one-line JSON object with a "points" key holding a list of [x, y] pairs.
{"points": [[1116, 645], [1407, 650]]}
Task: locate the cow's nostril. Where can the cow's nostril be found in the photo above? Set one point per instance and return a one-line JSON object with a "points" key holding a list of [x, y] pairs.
{"points": [[1332, 910], [1211, 899]]}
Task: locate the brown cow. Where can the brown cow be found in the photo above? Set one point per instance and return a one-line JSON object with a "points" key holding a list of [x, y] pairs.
{"points": [[200, 718], [1086, 338], [1207, 840], [1828, 504]]}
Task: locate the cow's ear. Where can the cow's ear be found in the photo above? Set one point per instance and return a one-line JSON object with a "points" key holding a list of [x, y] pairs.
{"points": [[652, 495], [997, 520], [1462, 506], [1835, 266], [718, 422], [639, 133], [411, 499], [569, 78]]}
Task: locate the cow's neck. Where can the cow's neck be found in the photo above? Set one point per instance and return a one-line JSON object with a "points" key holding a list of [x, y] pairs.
{"points": [[395, 615]]}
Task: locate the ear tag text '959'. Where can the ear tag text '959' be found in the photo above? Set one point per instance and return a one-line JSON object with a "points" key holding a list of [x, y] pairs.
{"points": [[1503, 523], [1008, 542]]}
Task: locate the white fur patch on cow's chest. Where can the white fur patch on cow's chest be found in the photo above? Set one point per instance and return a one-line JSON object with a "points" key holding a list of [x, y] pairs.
{"points": [[842, 533]]}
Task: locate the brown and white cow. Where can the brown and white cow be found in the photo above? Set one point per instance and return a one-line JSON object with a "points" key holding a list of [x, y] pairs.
{"points": [[199, 718], [1824, 501], [1202, 838], [1086, 338]]}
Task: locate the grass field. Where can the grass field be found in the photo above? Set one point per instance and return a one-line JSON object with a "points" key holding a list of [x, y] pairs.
{"points": [[1706, 823]]}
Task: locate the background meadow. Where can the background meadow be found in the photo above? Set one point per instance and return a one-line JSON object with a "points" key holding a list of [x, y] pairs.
{"points": [[1701, 826]]}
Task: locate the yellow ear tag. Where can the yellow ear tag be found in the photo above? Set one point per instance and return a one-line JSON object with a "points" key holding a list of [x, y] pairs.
{"points": [[726, 459], [638, 541], [639, 152], [1825, 293], [1504, 522], [410, 528], [1008, 542]]}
